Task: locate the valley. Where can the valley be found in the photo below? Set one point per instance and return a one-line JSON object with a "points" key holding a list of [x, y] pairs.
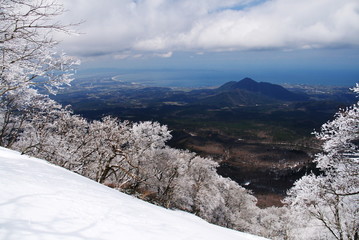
{"points": [[259, 133]]}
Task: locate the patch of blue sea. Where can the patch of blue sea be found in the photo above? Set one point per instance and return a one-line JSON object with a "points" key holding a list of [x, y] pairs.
{"points": [[215, 78]]}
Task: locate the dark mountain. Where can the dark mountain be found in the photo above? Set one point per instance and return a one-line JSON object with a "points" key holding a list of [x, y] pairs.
{"points": [[235, 97], [267, 89]]}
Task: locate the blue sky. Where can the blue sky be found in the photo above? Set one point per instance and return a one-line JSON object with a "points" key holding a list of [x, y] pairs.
{"points": [[274, 40]]}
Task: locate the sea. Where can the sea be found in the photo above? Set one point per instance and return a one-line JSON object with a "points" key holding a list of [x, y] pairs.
{"points": [[205, 78]]}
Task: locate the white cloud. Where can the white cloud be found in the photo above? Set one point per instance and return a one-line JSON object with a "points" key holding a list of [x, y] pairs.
{"points": [[121, 56], [164, 55], [119, 27]]}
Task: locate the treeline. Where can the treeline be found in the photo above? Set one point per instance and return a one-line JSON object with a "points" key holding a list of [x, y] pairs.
{"points": [[134, 158]]}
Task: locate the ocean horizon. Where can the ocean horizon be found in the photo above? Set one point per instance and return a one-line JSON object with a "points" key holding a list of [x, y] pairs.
{"points": [[197, 78]]}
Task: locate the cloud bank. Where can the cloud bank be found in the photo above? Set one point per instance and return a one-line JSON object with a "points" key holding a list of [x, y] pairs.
{"points": [[125, 28]]}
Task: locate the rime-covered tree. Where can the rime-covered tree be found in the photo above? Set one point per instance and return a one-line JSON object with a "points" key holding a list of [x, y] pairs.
{"points": [[28, 60], [328, 204], [128, 156]]}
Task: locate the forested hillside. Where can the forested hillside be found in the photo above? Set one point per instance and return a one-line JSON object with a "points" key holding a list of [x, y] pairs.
{"points": [[68, 206], [133, 157]]}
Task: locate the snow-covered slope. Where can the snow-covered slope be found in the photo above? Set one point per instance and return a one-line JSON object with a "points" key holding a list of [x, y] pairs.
{"points": [[42, 201]]}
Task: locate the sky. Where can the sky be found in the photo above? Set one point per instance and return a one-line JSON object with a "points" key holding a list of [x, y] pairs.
{"points": [[307, 40]]}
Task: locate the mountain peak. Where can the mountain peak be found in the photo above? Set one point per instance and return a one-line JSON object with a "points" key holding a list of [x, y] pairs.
{"points": [[263, 88], [247, 80], [248, 84]]}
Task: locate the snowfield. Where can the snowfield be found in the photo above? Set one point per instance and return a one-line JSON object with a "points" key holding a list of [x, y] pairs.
{"points": [[42, 201]]}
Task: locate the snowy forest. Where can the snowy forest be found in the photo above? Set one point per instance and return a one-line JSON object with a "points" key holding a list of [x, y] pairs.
{"points": [[133, 156]]}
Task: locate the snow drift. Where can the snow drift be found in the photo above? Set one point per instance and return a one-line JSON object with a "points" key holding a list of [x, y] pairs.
{"points": [[42, 201]]}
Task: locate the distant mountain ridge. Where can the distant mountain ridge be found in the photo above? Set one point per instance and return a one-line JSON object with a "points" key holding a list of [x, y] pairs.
{"points": [[266, 89], [235, 97], [113, 94], [248, 92]]}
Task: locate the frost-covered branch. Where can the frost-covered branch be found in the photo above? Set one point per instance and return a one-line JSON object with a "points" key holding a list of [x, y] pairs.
{"points": [[27, 47], [331, 199]]}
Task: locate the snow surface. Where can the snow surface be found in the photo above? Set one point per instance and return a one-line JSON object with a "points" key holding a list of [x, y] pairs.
{"points": [[42, 201]]}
